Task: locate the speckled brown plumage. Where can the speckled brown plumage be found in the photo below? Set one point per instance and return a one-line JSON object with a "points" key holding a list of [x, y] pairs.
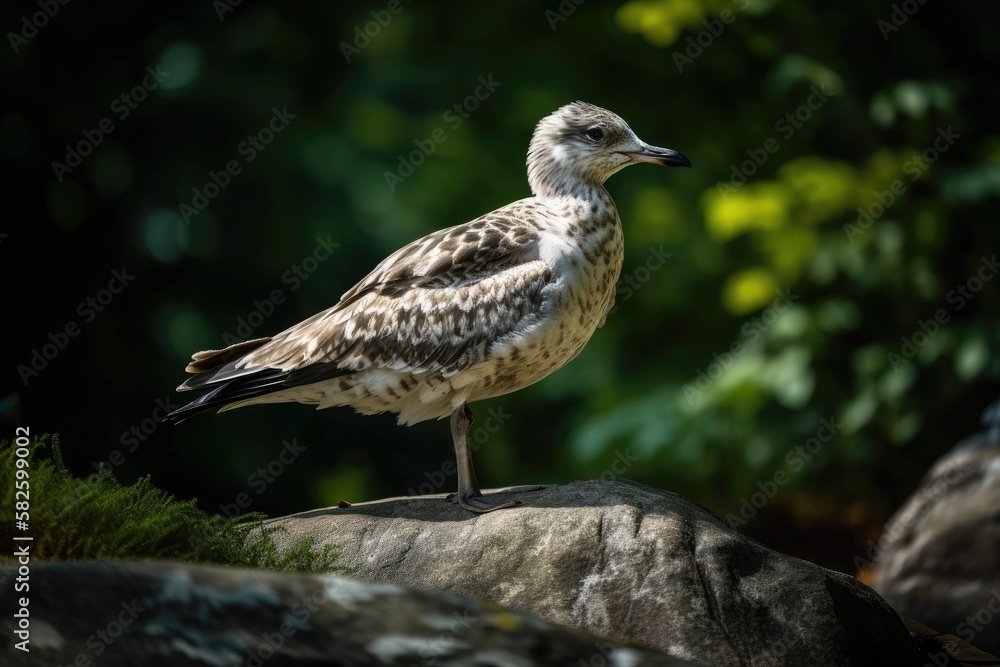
{"points": [[465, 313]]}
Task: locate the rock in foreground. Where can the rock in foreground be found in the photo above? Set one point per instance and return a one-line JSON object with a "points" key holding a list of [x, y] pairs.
{"points": [[162, 614], [621, 560]]}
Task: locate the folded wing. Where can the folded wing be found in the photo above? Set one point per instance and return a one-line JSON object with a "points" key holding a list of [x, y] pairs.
{"points": [[436, 305]]}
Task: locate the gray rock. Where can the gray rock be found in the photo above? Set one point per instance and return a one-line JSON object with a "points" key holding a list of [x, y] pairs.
{"points": [[939, 558], [626, 561], [160, 614], [943, 649]]}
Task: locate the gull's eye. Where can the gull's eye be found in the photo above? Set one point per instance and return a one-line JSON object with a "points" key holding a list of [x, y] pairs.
{"points": [[594, 133]]}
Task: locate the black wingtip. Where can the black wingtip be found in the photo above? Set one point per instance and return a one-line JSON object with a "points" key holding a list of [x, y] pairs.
{"points": [[265, 381], [192, 409]]}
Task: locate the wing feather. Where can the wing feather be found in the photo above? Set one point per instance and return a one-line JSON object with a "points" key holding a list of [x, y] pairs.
{"points": [[437, 304]]}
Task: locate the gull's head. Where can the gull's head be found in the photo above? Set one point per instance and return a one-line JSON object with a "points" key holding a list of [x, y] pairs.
{"points": [[580, 145]]}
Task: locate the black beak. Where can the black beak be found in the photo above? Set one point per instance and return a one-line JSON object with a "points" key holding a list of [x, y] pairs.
{"points": [[665, 157]]}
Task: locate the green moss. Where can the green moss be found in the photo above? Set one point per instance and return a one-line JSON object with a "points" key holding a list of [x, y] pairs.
{"points": [[99, 518]]}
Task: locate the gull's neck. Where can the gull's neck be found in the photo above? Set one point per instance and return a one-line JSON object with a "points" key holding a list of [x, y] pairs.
{"points": [[570, 190], [582, 209], [553, 175]]}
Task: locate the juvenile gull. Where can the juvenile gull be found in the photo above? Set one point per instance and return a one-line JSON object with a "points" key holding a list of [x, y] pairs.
{"points": [[465, 313]]}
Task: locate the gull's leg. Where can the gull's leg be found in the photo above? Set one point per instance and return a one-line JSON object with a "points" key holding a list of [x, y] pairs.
{"points": [[468, 495]]}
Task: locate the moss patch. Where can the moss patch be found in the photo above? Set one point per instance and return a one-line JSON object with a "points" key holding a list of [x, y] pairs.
{"points": [[99, 518]]}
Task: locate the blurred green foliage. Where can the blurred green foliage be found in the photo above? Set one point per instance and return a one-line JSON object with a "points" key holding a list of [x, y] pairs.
{"points": [[705, 374]]}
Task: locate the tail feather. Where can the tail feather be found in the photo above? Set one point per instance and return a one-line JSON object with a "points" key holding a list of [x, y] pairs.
{"points": [[231, 384], [264, 381], [218, 366], [212, 359]]}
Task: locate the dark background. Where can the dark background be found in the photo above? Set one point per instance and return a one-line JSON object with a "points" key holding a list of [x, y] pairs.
{"points": [[324, 176]]}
